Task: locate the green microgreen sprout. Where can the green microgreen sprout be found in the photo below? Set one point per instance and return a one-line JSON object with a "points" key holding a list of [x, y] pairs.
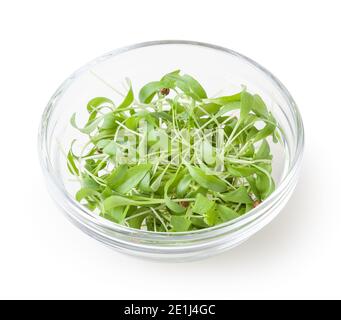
{"points": [[174, 160]]}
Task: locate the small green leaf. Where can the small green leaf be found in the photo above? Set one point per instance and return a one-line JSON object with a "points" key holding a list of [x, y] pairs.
{"points": [[264, 185], [264, 151], [116, 176], [118, 201], [245, 104], [229, 106], [71, 161], [173, 206], [268, 130], [180, 223], [133, 177], [199, 222], [207, 181], [252, 182], [183, 185], [111, 148], [187, 84], [89, 127], [226, 213], [145, 183], [94, 103], [163, 115], [137, 221], [239, 195], [101, 144], [211, 216], [85, 193], [225, 99], [109, 121], [132, 122], [148, 92], [202, 205], [89, 182], [210, 108], [117, 214], [239, 171], [128, 100], [259, 107], [195, 86], [106, 193]]}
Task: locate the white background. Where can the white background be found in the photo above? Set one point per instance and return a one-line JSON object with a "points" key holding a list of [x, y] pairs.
{"points": [[43, 256]]}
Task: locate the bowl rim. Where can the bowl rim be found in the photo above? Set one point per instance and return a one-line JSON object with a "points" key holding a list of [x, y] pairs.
{"points": [[112, 226]]}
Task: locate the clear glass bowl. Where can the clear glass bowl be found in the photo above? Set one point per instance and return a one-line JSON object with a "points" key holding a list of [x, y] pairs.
{"points": [[217, 69]]}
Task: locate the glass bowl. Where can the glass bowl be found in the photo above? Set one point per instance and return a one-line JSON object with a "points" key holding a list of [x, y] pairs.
{"points": [[216, 68]]}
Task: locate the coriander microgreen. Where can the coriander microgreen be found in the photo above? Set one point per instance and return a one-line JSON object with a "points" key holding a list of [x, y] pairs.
{"points": [[94, 104], [206, 181], [180, 223], [132, 178], [202, 205], [173, 182], [226, 214], [128, 100], [239, 195], [148, 92]]}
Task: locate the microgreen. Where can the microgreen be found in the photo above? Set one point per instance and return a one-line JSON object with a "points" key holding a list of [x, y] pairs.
{"points": [[198, 162]]}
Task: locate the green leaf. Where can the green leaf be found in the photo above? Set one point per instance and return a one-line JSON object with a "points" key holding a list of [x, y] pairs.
{"points": [[264, 151], [128, 100], [225, 99], [199, 222], [132, 122], [116, 177], [187, 84], [94, 103], [207, 181], [109, 121], [106, 193], [118, 201], [230, 106], [89, 182], [173, 206], [117, 214], [180, 223], [259, 107], [239, 195], [101, 144], [89, 127], [71, 161], [210, 108], [137, 221], [245, 104], [202, 205], [85, 193], [132, 178], [252, 182], [148, 92], [183, 185], [145, 183], [195, 86], [265, 132], [239, 171], [111, 148], [264, 185], [268, 130], [163, 115], [211, 216], [226, 213]]}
